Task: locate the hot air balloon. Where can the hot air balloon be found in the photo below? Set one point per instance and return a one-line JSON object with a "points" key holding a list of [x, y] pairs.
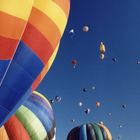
{"points": [[74, 63], [138, 62], [72, 120], [35, 52], [71, 32], [58, 98], [85, 28], [102, 48], [87, 111], [80, 104], [102, 56], [114, 59], [98, 104], [34, 120], [84, 89], [124, 106], [90, 131]]}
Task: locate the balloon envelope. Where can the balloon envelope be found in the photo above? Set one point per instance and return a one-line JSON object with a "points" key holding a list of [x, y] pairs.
{"points": [[33, 121], [34, 54], [90, 131]]}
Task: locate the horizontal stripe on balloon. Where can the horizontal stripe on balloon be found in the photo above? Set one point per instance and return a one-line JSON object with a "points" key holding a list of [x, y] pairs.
{"points": [[42, 115], [53, 11], [43, 104], [6, 114], [10, 26], [31, 123], [64, 4], [46, 26], [13, 85], [28, 60], [16, 8], [37, 43], [43, 97], [45, 69], [7, 48], [16, 130]]}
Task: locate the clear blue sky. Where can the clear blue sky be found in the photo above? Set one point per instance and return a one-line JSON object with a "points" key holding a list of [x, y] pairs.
{"points": [[117, 24]]}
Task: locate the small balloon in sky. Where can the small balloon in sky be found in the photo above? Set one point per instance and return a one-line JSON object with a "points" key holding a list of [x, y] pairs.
{"points": [[52, 101], [119, 137], [80, 104], [72, 120], [98, 104], [102, 56], [101, 122], [74, 63], [58, 98], [138, 62], [93, 88], [109, 114], [87, 111], [84, 90], [120, 126], [124, 106], [114, 59], [71, 32], [102, 48], [86, 28]]}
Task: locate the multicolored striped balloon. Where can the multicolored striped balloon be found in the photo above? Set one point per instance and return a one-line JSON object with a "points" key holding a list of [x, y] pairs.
{"points": [[33, 121], [90, 131], [32, 57]]}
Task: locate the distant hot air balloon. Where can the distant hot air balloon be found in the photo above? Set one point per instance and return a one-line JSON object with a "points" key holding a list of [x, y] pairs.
{"points": [[102, 56], [84, 89], [101, 122], [124, 106], [114, 59], [58, 98], [74, 63], [87, 111], [86, 28], [71, 32], [52, 101], [32, 58], [102, 48], [33, 121], [90, 131], [138, 62], [72, 120], [98, 104], [80, 104], [93, 88]]}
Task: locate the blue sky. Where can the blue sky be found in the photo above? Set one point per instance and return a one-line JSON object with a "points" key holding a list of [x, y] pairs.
{"points": [[117, 24]]}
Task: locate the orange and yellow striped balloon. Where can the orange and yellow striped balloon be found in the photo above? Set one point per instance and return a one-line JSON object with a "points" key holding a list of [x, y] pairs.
{"points": [[55, 14]]}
